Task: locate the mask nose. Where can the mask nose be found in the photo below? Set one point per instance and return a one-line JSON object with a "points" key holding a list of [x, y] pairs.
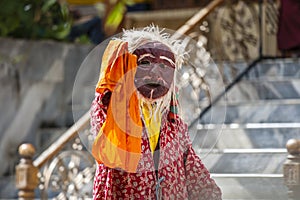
{"points": [[155, 70]]}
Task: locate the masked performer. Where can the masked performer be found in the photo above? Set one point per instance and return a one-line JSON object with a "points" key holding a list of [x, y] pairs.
{"points": [[142, 146]]}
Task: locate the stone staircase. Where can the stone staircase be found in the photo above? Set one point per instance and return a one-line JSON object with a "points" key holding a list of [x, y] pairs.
{"points": [[246, 153]]}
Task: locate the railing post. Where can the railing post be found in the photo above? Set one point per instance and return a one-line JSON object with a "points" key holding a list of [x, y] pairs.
{"points": [[26, 173], [291, 169]]}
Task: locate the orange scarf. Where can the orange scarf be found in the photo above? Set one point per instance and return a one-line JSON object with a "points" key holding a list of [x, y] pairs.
{"points": [[118, 144]]}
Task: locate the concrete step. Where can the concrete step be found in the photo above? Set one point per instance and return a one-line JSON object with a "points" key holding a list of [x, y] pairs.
{"points": [[251, 186], [264, 69], [243, 161], [275, 111], [289, 67], [264, 89], [250, 135]]}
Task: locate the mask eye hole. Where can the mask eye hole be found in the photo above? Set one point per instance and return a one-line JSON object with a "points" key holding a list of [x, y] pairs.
{"points": [[162, 66], [145, 62]]}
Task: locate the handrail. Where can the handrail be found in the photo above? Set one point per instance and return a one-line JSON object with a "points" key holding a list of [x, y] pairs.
{"points": [[198, 17], [55, 147]]}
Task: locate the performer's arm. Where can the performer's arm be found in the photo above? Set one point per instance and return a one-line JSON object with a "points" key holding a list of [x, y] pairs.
{"points": [[99, 110]]}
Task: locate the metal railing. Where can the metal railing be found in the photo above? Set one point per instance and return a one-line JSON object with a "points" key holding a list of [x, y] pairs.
{"points": [[62, 172]]}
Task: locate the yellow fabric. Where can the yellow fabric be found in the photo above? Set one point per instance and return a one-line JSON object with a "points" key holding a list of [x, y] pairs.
{"points": [[118, 144], [152, 122]]}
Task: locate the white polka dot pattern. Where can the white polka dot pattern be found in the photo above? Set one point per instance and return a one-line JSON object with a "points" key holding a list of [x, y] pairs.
{"points": [[185, 176]]}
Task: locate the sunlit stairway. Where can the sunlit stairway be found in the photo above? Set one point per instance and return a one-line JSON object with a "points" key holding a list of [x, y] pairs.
{"points": [[246, 153]]}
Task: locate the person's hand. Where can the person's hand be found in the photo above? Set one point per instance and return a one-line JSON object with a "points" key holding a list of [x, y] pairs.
{"points": [[106, 98]]}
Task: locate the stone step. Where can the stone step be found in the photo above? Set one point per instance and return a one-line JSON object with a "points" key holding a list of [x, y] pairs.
{"points": [[289, 67], [266, 68], [253, 161], [279, 111], [264, 89], [260, 135], [251, 186]]}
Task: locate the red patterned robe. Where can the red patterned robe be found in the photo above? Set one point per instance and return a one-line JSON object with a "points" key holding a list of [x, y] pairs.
{"points": [[180, 174]]}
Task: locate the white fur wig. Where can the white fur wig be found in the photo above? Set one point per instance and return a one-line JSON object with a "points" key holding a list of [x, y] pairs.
{"points": [[136, 38]]}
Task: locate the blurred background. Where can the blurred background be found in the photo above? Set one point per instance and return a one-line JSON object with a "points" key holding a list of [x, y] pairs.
{"points": [[240, 90]]}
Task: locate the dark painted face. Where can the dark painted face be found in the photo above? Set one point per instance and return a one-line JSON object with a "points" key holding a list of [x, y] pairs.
{"points": [[155, 71]]}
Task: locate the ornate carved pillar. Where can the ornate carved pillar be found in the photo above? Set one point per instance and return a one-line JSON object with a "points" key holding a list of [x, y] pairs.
{"points": [[291, 169], [26, 173]]}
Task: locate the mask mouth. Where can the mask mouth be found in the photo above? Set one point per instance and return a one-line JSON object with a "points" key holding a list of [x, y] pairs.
{"points": [[153, 83], [151, 88]]}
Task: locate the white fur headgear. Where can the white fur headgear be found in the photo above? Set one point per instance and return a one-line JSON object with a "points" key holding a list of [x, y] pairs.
{"points": [[136, 38]]}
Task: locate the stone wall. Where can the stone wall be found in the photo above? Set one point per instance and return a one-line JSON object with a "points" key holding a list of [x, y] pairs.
{"points": [[36, 79]]}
